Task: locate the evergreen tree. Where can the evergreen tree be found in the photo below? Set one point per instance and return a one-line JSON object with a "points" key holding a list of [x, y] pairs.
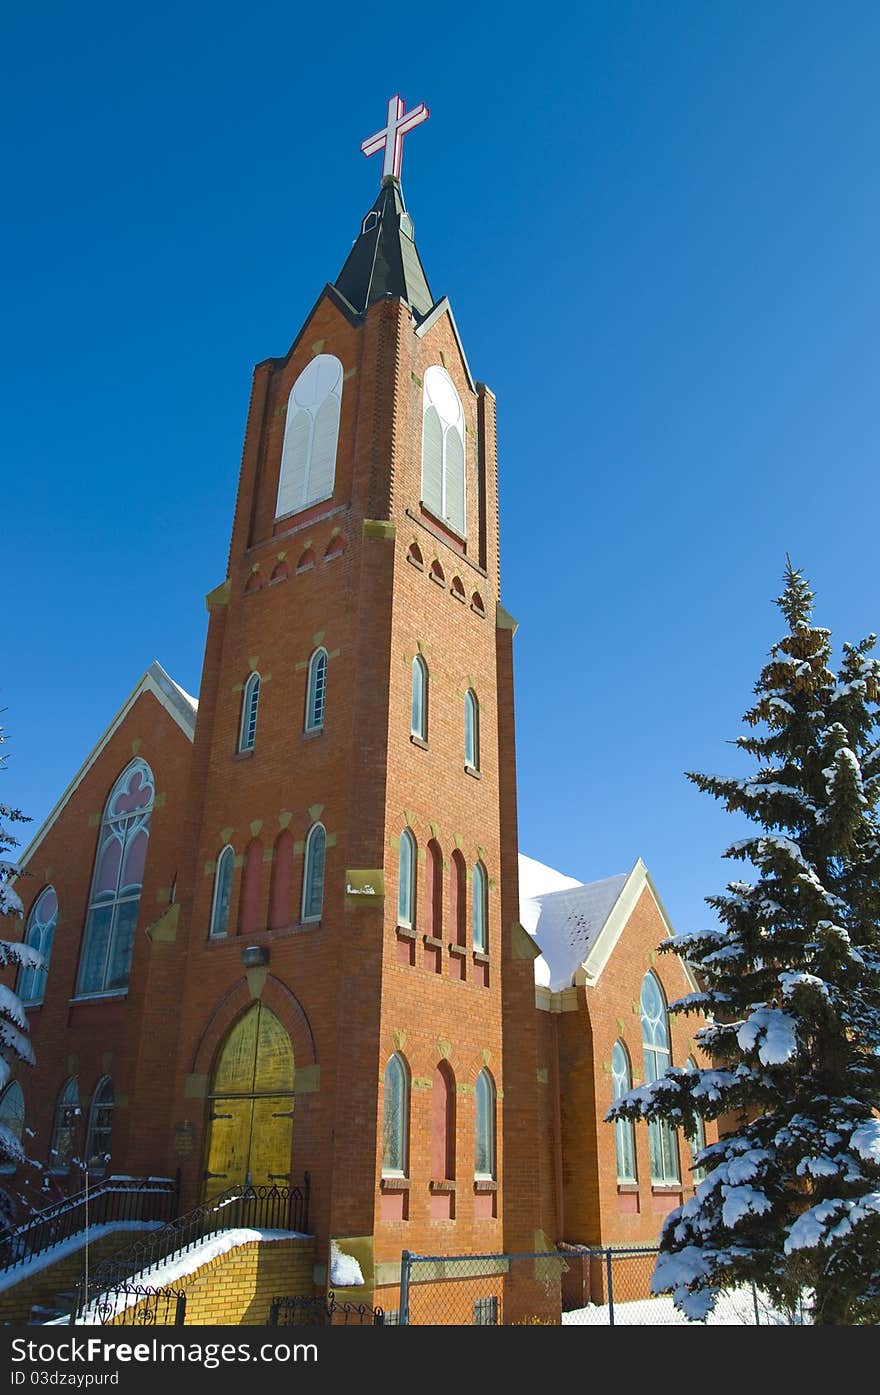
{"points": [[790, 983], [14, 1043]]}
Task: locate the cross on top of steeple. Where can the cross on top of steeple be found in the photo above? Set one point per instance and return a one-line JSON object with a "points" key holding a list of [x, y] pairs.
{"points": [[390, 138]]}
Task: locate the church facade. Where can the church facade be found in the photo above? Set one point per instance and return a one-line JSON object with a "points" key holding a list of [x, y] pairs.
{"points": [[284, 924]]}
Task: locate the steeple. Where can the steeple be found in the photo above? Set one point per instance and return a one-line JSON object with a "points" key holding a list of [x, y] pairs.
{"points": [[384, 260]]}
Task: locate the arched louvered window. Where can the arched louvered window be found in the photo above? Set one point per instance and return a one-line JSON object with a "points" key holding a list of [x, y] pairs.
{"points": [[11, 1127], [100, 1126], [697, 1139], [395, 1118], [249, 703], [313, 873], [311, 436], [662, 1144], [471, 730], [443, 450], [406, 884], [222, 893], [316, 690], [108, 941], [39, 935], [480, 889], [419, 710], [484, 1132], [65, 1128], [624, 1134]]}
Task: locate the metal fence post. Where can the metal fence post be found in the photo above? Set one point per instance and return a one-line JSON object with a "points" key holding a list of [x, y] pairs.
{"points": [[180, 1311], [403, 1315], [610, 1281]]}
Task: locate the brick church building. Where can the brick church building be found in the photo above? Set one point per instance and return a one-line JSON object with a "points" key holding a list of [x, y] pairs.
{"points": [[287, 926]]}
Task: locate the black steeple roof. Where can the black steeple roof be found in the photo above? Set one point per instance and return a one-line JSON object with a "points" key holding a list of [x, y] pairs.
{"points": [[384, 260]]}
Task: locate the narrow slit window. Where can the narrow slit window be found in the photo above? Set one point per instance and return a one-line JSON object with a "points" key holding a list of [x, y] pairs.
{"points": [[471, 730], [316, 697], [250, 702], [222, 893], [313, 873], [406, 887]]}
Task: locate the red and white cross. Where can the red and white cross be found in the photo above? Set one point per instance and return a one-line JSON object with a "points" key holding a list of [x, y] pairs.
{"points": [[391, 136]]}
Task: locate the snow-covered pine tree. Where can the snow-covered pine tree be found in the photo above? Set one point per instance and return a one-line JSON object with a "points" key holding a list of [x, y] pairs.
{"points": [[791, 986], [14, 1043]]}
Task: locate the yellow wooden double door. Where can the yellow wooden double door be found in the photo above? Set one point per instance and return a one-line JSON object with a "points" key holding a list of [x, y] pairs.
{"points": [[250, 1106]]}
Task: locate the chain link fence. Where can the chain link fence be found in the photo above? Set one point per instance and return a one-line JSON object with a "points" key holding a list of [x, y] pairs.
{"points": [[574, 1285]]}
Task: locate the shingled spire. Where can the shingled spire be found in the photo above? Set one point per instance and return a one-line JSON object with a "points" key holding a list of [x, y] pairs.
{"points": [[384, 260]]}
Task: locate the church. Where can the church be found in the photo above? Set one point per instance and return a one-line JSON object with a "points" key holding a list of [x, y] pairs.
{"points": [[287, 929]]}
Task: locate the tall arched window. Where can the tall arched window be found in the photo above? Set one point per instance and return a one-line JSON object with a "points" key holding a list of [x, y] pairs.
{"points": [[443, 450], [433, 891], [12, 1126], [419, 709], [65, 1128], [471, 730], [282, 881], [484, 1133], [311, 436], [313, 873], [39, 935], [108, 941], [395, 1118], [406, 883], [316, 690], [662, 1145], [697, 1139], [480, 889], [624, 1133], [222, 893], [250, 701], [458, 897], [251, 883], [100, 1126], [443, 1123]]}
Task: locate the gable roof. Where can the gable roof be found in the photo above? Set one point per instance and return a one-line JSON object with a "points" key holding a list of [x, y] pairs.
{"points": [[576, 925], [179, 705]]}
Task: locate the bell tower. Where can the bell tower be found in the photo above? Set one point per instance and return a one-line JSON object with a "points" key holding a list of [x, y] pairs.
{"points": [[353, 809]]}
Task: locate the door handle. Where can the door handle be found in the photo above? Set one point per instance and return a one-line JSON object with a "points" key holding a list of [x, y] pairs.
{"points": [[220, 1116], [207, 1175], [279, 1176], [284, 1114]]}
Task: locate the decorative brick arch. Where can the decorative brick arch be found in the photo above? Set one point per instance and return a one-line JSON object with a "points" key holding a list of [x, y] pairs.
{"points": [[279, 999]]}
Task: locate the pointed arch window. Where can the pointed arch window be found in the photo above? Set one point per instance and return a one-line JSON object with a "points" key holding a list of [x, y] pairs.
{"points": [[419, 709], [39, 935], [484, 1133], [406, 882], [65, 1127], [662, 1143], [697, 1139], [108, 941], [311, 436], [222, 893], [443, 1123], [11, 1126], [471, 730], [250, 701], [480, 890], [395, 1118], [313, 873], [316, 690], [100, 1126], [443, 450], [624, 1133]]}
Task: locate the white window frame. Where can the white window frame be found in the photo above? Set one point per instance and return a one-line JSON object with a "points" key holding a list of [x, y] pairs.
{"points": [[406, 905], [250, 706], [316, 690], [226, 859], [471, 730], [485, 1097], [657, 1052], [399, 1082], [435, 374], [624, 1130], [418, 722], [316, 832], [480, 908], [303, 401]]}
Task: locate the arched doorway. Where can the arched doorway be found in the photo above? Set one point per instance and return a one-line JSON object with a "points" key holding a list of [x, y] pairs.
{"points": [[250, 1106]]}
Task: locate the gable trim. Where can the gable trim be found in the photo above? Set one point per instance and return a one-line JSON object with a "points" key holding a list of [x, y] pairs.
{"points": [[444, 308]]}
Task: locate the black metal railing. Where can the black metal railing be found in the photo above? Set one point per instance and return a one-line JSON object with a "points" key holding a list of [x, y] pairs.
{"points": [[118, 1200], [139, 1305], [305, 1310], [253, 1208]]}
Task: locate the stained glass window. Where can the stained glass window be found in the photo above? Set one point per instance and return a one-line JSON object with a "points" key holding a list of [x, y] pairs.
{"points": [[222, 893], [406, 884], [11, 1121], [481, 937], [65, 1128], [39, 935], [395, 1118], [313, 873], [662, 1145], [624, 1134], [484, 1134], [100, 1126]]}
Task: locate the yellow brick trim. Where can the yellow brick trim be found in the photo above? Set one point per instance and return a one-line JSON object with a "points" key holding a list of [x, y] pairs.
{"points": [[219, 596], [379, 529]]}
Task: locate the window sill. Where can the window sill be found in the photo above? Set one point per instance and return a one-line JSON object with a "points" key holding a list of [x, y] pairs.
{"points": [[447, 1185], [439, 580], [243, 755], [460, 950], [99, 997], [627, 1188], [473, 771], [474, 608], [406, 932], [485, 1184], [665, 1188], [432, 942], [311, 733], [419, 566], [449, 534], [419, 741], [394, 1184], [480, 957]]}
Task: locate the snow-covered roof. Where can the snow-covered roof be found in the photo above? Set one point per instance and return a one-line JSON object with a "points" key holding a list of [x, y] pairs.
{"points": [[179, 705], [577, 924]]}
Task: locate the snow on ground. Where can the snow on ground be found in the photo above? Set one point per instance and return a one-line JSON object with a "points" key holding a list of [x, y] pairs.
{"points": [[733, 1309]]}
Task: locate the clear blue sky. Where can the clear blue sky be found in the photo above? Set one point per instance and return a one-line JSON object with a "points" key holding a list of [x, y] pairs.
{"points": [[658, 226]]}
